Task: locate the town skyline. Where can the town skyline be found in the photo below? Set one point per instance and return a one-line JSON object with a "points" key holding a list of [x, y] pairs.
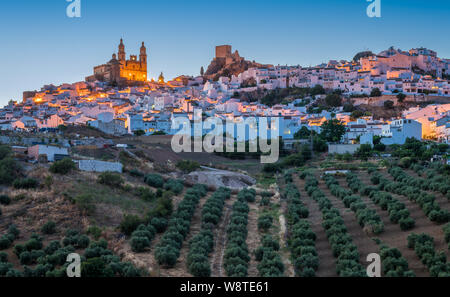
{"points": [[153, 74], [65, 54]]}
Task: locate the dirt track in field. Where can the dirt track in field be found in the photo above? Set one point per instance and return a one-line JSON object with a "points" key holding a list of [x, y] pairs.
{"points": [[253, 238], [216, 258]]}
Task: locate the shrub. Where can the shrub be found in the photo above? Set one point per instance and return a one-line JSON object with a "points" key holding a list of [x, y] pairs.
{"points": [[176, 186], [265, 222], [52, 247], [159, 223], [129, 224], [375, 92], [25, 258], [9, 170], [154, 180], [136, 173], [62, 167], [34, 243], [49, 228], [111, 179], [85, 203], [95, 231], [272, 168], [265, 201], [447, 232], [4, 243], [3, 257], [163, 208], [187, 166], [407, 223], [25, 183], [388, 104], [5, 200], [145, 193], [167, 256], [248, 195], [138, 244], [82, 242]]}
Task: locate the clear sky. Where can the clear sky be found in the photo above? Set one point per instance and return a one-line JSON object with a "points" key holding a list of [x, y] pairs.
{"points": [[41, 45]]}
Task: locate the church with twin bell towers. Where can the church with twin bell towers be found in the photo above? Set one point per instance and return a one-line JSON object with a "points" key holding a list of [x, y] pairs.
{"points": [[120, 71]]}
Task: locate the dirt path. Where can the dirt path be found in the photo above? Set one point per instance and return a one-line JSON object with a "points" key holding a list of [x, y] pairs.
{"points": [[283, 236], [393, 236], [423, 224], [363, 242], [327, 262], [253, 238], [221, 240]]}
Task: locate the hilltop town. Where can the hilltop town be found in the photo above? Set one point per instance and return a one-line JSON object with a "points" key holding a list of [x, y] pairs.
{"points": [[368, 94]]}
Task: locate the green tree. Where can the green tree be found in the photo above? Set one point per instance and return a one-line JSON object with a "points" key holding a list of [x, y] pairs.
{"points": [[348, 107], [375, 93], [49, 228], [62, 167], [401, 97], [319, 145], [317, 90], [110, 179], [363, 54], [388, 104], [364, 152], [333, 100], [332, 130], [129, 224], [303, 133]]}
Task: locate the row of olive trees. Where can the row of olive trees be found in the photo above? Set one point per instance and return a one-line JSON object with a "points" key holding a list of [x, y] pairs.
{"points": [[270, 263], [424, 247], [433, 179], [447, 234], [302, 239], [202, 244], [394, 264], [346, 252], [168, 249], [364, 215], [236, 256], [398, 213], [51, 260], [425, 200]]}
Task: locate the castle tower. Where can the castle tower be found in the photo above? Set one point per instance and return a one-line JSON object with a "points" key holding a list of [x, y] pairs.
{"points": [[122, 55], [143, 56]]}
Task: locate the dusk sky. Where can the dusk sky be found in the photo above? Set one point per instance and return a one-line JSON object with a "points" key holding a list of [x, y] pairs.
{"points": [[41, 45]]}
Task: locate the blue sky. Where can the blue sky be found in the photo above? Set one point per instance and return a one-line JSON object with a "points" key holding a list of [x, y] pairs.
{"points": [[41, 45]]}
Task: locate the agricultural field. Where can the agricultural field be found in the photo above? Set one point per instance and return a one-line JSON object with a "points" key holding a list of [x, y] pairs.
{"points": [[322, 218], [337, 219]]}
